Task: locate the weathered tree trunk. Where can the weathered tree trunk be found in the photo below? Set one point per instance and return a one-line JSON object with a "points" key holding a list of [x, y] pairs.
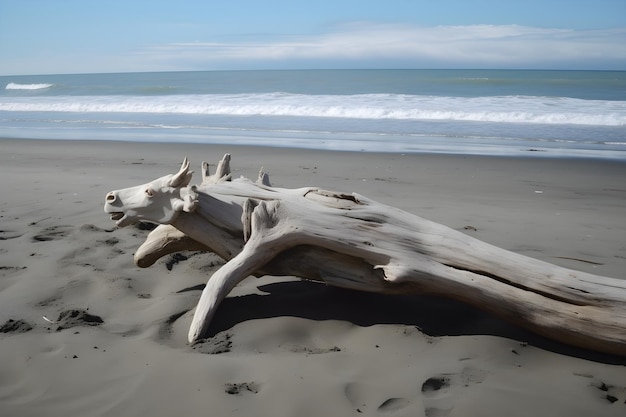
{"points": [[350, 241]]}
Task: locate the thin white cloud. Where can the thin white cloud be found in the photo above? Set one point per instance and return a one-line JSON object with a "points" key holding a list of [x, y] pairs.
{"points": [[468, 46], [360, 45]]}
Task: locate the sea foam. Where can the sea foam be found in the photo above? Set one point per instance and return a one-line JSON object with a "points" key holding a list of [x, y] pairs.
{"points": [[15, 86], [500, 109]]}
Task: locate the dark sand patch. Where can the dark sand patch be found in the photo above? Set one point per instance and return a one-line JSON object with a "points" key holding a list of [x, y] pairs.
{"points": [[77, 317], [241, 387], [16, 326], [220, 343]]}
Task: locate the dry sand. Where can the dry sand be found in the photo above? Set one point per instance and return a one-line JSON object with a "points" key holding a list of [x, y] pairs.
{"points": [[282, 347]]}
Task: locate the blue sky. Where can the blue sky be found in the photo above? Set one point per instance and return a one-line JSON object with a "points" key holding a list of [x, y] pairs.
{"points": [[69, 36]]}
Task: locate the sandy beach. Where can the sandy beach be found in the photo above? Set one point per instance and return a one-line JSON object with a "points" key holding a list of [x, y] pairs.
{"points": [[85, 332]]}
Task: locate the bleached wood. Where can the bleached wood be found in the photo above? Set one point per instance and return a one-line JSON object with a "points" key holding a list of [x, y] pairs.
{"points": [[164, 240], [350, 241]]}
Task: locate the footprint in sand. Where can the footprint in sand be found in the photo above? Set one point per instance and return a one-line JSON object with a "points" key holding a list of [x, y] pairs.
{"points": [[52, 233], [435, 391], [437, 394], [357, 394], [9, 234], [354, 392], [438, 390], [394, 404], [611, 393]]}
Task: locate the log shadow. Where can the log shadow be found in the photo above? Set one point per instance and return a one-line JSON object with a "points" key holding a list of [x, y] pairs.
{"points": [[435, 316]]}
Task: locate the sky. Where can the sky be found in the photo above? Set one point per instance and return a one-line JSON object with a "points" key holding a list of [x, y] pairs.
{"points": [[78, 36]]}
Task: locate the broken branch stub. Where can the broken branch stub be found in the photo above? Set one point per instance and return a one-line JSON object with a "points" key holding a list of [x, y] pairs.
{"points": [[350, 241]]}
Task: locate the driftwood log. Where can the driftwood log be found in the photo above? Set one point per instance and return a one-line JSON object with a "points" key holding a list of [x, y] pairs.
{"points": [[350, 241]]}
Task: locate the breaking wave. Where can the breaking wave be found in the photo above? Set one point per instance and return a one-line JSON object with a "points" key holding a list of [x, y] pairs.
{"points": [[501, 109], [15, 86]]}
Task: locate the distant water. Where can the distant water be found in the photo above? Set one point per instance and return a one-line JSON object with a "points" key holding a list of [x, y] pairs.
{"points": [[491, 112]]}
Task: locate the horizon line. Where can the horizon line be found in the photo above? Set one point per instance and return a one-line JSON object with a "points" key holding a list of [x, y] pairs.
{"points": [[314, 69]]}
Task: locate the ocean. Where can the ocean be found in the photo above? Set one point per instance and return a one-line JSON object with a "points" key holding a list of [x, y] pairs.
{"points": [[485, 112]]}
